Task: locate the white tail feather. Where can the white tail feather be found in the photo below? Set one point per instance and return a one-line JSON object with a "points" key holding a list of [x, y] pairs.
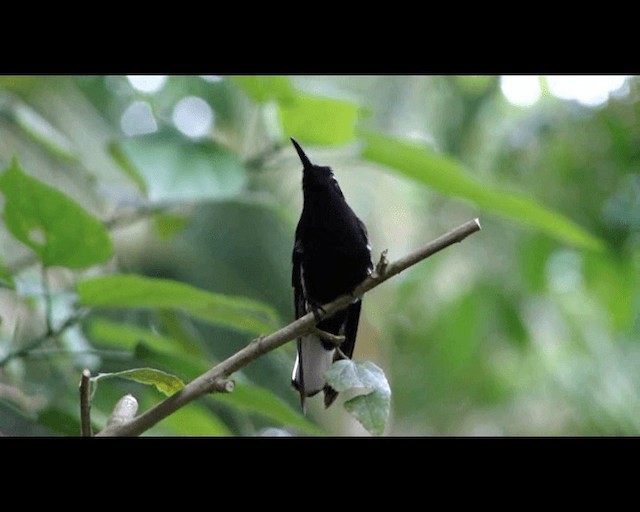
{"points": [[316, 360]]}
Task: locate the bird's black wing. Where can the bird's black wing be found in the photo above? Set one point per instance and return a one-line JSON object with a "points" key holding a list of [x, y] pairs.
{"points": [[351, 328], [296, 281], [353, 310]]}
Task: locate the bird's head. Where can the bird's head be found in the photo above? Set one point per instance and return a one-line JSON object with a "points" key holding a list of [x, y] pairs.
{"points": [[315, 175]]}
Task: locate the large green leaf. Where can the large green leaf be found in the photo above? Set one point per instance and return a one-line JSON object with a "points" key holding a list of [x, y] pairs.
{"points": [[175, 169], [175, 326], [319, 119], [60, 421], [266, 88], [194, 419], [127, 336], [177, 361], [308, 117], [372, 408], [450, 177], [129, 290], [264, 402], [53, 225]]}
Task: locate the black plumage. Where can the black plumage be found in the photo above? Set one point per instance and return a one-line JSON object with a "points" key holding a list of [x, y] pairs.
{"points": [[331, 256]]}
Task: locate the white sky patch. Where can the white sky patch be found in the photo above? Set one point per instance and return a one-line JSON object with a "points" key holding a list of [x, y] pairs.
{"points": [[589, 90], [521, 90], [147, 83]]}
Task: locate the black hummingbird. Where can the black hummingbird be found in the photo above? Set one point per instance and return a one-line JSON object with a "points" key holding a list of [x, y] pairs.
{"points": [[331, 256]]}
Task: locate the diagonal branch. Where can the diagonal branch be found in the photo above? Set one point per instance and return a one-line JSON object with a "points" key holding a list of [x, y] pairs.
{"points": [[216, 379]]}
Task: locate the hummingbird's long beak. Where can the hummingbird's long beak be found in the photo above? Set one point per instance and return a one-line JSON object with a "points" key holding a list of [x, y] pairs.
{"points": [[306, 163]]}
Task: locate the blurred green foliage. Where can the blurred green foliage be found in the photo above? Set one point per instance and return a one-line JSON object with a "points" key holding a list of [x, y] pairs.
{"points": [[170, 251]]}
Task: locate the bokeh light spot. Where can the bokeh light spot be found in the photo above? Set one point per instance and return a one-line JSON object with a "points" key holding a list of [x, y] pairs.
{"points": [[193, 116], [147, 83], [138, 119]]}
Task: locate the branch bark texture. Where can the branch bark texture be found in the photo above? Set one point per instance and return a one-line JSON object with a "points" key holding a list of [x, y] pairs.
{"points": [[85, 403], [217, 378]]}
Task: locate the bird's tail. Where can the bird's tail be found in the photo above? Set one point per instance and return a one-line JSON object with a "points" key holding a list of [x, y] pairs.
{"points": [[312, 362]]}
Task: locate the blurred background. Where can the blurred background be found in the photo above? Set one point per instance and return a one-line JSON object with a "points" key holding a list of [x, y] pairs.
{"points": [[529, 327]]}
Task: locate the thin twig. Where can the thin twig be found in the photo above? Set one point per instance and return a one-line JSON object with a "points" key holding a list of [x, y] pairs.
{"points": [[51, 353], [143, 211], [209, 381], [40, 340], [85, 404]]}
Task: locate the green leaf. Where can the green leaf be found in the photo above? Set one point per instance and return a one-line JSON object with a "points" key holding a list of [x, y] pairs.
{"points": [[614, 281], [6, 279], [168, 225], [54, 226], [449, 177], [125, 163], [60, 421], [370, 409], [173, 324], [264, 402], [176, 169], [129, 290], [126, 336], [320, 120], [265, 88], [473, 84], [18, 83], [187, 365], [164, 382], [347, 374], [192, 420]]}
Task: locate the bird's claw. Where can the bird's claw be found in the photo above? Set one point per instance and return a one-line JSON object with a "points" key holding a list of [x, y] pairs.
{"points": [[316, 309], [335, 339]]}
